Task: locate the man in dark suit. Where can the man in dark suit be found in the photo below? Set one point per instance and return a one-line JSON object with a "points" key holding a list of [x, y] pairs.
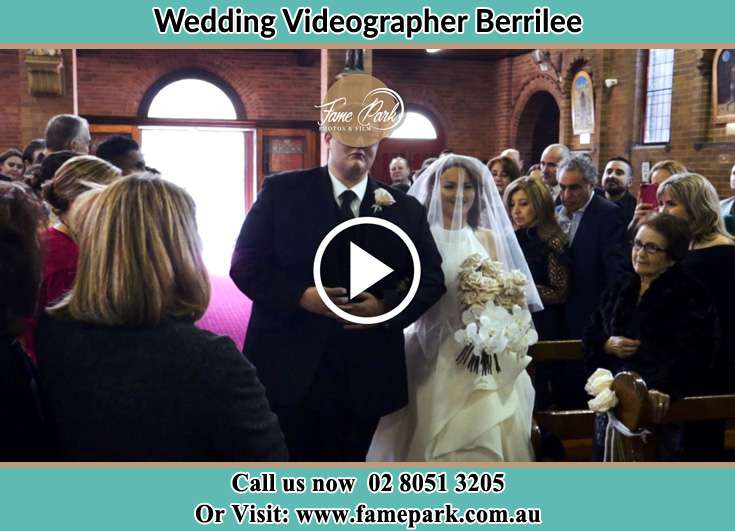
{"points": [[596, 232], [330, 381]]}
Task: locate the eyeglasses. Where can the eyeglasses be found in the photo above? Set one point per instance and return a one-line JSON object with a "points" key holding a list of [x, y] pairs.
{"points": [[650, 248]]}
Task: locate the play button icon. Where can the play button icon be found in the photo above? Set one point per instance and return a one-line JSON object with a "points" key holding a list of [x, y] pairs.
{"points": [[366, 270]]}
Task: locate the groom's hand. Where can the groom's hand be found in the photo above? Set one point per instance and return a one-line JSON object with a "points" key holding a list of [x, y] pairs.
{"points": [[364, 305], [312, 302]]}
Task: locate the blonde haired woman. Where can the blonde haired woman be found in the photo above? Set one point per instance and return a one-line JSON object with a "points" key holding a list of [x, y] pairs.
{"points": [[127, 374], [660, 171], [73, 178], [546, 249], [711, 260]]}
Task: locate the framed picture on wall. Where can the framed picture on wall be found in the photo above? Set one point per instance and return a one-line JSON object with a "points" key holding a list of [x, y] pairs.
{"points": [[723, 86], [583, 104]]}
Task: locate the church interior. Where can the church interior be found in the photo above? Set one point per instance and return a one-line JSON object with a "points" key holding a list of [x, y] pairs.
{"points": [[217, 122]]}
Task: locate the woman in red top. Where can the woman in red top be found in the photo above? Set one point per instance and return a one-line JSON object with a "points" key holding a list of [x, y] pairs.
{"points": [[72, 179]]}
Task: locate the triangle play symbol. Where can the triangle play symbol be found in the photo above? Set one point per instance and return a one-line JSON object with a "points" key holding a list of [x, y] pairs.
{"points": [[365, 270]]}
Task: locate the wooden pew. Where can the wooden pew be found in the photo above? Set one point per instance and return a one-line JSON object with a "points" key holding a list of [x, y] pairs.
{"points": [[634, 407]]}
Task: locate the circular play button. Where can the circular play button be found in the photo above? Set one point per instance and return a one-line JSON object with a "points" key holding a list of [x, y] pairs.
{"points": [[365, 270]]}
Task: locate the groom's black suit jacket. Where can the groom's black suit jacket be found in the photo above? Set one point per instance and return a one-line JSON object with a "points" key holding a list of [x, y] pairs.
{"points": [[273, 265]]}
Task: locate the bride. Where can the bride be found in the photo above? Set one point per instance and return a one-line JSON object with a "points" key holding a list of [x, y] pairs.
{"points": [[454, 414]]}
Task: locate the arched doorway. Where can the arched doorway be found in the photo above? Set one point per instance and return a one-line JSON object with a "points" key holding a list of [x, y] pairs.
{"points": [[538, 127], [196, 147], [417, 139]]}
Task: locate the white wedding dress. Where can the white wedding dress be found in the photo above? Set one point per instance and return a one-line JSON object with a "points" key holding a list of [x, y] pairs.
{"points": [[454, 414]]}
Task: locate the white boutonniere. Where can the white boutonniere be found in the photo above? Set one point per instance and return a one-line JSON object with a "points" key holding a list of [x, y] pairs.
{"points": [[382, 199]]}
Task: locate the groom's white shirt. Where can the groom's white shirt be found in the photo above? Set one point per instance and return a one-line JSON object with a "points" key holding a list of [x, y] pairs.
{"points": [[359, 189]]}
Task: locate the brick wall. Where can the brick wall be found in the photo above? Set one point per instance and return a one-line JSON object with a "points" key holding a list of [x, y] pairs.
{"points": [[271, 85], [479, 105], [10, 135]]}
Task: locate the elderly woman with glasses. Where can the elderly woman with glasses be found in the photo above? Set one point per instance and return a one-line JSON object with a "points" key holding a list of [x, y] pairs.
{"points": [[659, 322]]}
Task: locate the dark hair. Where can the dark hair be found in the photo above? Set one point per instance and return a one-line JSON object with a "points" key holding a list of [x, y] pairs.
{"points": [[48, 168], [10, 153], [33, 146], [115, 147], [62, 129], [674, 230], [510, 167], [20, 257], [621, 159]]}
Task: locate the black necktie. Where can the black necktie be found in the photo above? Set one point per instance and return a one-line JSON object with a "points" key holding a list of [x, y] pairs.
{"points": [[345, 209]]}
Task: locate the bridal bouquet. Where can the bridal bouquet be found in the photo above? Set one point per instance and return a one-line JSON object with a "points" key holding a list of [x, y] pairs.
{"points": [[498, 328]]}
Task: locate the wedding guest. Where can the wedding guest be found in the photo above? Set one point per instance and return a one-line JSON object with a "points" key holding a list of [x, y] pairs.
{"points": [[711, 260], [67, 132], [33, 152], [11, 164], [400, 173], [727, 206], [504, 170], [659, 173], [596, 233], [147, 384], [74, 177], [554, 156], [658, 322], [616, 179], [23, 436], [123, 152], [515, 155], [48, 168], [546, 249]]}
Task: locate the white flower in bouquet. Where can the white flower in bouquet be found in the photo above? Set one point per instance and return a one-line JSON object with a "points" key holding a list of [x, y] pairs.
{"points": [[498, 328]]}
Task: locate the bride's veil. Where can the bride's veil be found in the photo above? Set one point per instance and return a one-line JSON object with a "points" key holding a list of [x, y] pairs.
{"points": [[466, 201]]}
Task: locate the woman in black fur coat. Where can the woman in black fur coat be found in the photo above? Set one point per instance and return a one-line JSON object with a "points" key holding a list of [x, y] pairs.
{"points": [[658, 322]]}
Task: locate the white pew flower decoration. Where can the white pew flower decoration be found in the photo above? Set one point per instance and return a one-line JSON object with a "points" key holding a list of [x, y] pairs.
{"points": [[598, 386], [498, 328]]}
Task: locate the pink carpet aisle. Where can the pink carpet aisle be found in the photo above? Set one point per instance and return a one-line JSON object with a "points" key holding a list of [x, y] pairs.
{"points": [[229, 311]]}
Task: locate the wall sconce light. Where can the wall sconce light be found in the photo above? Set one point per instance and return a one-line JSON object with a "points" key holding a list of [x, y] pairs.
{"points": [[610, 83], [542, 58]]}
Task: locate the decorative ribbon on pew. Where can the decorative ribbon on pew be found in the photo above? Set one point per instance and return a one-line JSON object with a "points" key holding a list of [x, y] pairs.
{"points": [[614, 429]]}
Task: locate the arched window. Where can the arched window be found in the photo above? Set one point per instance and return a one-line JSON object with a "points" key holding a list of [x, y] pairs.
{"points": [[415, 126], [659, 82], [207, 159], [193, 99]]}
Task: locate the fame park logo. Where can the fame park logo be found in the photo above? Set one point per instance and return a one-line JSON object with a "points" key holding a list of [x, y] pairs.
{"points": [[359, 110]]}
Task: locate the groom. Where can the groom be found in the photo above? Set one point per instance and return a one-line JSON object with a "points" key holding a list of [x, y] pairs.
{"points": [[330, 381]]}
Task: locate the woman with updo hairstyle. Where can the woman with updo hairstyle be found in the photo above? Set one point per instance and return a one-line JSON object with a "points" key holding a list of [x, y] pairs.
{"points": [[504, 170], [127, 374], [659, 322], [711, 259], [23, 437], [73, 178]]}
